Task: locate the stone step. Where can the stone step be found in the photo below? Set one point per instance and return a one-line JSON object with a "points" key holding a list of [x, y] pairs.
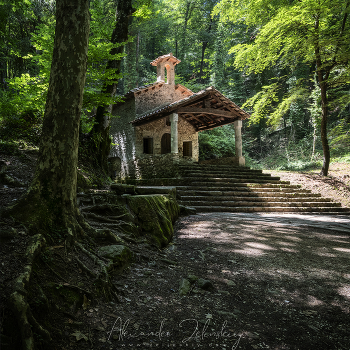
{"points": [[225, 188], [206, 209], [211, 166], [219, 172], [240, 193], [256, 188], [227, 181], [237, 184], [231, 176], [266, 199], [234, 203]]}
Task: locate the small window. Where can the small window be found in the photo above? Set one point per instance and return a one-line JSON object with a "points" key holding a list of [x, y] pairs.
{"points": [[187, 148], [148, 145], [167, 120]]}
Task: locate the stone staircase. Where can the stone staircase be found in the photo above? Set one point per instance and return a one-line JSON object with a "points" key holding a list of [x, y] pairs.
{"points": [[220, 188]]}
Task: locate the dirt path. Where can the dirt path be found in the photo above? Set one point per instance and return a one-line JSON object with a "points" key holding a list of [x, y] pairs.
{"points": [[279, 282]]}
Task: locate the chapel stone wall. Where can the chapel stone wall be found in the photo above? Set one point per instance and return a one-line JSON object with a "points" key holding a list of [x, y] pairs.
{"points": [[156, 98], [156, 129], [123, 134]]}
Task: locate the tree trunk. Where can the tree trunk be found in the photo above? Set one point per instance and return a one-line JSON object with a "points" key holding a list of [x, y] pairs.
{"points": [[99, 148], [324, 138], [323, 86], [50, 202]]}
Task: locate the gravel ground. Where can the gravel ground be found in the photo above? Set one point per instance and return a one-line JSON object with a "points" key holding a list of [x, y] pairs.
{"points": [[278, 282]]}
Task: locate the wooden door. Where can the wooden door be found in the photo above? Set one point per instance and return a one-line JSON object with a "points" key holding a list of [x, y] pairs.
{"points": [[166, 143]]}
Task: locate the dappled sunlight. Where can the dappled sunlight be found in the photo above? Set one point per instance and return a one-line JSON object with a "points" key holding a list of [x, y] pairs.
{"points": [[249, 252], [288, 250], [325, 254], [292, 238], [273, 276], [259, 246], [285, 243], [313, 301], [342, 250], [275, 251], [344, 291]]}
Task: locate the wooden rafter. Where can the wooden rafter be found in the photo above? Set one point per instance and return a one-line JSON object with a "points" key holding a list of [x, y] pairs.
{"points": [[213, 111]]}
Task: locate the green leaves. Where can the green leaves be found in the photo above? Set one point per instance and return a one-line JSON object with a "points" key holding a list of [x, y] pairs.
{"points": [[261, 103]]}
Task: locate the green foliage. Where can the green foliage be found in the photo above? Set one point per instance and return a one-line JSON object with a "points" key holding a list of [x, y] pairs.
{"points": [[340, 137], [286, 37], [217, 143], [25, 125], [27, 92]]}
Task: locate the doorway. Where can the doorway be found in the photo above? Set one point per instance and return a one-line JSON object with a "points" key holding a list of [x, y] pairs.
{"points": [[187, 149], [166, 143]]}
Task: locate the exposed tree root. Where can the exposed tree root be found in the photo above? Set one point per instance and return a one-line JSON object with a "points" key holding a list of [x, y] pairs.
{"points": [[108, 235], [100, 218], [18, 300], [104, 274], [85, 268]]}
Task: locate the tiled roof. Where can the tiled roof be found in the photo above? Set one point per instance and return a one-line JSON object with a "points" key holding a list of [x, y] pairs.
{"points": [[131, 93], [160, 112], [168, 57]]}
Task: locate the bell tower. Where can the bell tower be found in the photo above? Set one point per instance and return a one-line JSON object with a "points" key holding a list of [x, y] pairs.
{"points": [[168, 63]]}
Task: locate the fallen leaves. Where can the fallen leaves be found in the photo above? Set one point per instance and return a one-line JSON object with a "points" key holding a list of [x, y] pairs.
{"points": [[78, 335]]}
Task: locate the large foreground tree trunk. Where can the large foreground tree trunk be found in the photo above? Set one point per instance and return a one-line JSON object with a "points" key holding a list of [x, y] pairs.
{"points": [[51, 199], [100, 140]]}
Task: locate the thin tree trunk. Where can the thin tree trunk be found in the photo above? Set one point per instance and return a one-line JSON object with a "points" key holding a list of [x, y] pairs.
{"points": [[188, 13], [101, 142], [324, 103], [137, 58], [314, 141], [324, 138], [204, 47], [50, 202]]}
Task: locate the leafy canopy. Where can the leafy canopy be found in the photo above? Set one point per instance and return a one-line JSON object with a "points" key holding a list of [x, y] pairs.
{"points": [[288, 33]]}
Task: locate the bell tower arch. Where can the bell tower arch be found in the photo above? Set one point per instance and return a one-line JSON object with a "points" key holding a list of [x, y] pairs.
{"points": [[168, 63]]}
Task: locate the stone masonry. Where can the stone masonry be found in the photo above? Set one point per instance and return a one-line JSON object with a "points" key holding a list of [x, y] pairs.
{"points": [[158, 124]]}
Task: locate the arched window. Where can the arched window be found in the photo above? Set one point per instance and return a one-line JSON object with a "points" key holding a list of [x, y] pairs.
{"points": [[167, 74]]}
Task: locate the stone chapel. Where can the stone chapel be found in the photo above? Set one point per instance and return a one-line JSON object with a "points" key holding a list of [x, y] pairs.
{"points": [[157, 125]]}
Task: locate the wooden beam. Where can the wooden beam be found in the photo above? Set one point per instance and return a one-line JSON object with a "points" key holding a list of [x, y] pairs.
{"points": [[213, 111], [206, 127]]}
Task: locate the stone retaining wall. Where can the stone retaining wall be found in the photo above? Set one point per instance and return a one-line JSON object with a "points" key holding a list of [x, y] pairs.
{"points": [[153, 166]]}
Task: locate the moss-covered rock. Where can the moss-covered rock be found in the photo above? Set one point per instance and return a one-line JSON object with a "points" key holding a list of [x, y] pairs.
{"points": [[185, 286], [156, 214], [119, 254], [63, 295]]}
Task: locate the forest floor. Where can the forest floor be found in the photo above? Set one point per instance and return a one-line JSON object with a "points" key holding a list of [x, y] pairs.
{"points": [[265, 281]]}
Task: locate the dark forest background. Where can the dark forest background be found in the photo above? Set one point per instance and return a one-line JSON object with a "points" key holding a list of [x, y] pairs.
{"points": [[261, 55]]}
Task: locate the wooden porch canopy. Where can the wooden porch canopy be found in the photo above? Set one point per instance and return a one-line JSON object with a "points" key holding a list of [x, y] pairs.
{"points": [[205, 110]]}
